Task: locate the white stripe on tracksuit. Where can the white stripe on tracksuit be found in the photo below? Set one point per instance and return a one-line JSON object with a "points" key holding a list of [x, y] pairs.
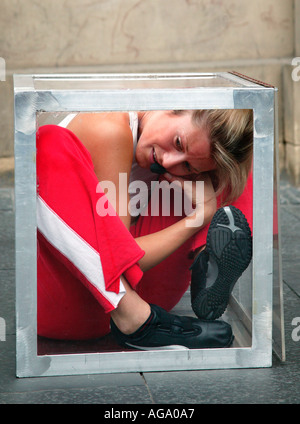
{"points": [[75, 249]]}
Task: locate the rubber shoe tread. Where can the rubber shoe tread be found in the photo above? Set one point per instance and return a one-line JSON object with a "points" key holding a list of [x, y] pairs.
{"points": [[229, 248]]}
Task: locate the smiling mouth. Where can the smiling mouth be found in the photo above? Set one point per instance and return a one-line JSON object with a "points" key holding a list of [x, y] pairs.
{"points": [[154, 157], [156, 167]]}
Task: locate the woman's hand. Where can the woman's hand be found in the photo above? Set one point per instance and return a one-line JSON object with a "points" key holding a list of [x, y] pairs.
{"points": [[200, 202], [161, 244]]}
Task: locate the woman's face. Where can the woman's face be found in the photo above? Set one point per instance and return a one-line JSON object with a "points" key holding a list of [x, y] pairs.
{"points": [[175, 142]]}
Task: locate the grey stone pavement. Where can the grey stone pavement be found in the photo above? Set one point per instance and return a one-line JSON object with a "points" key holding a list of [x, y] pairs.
{"points": [[279, 384]]}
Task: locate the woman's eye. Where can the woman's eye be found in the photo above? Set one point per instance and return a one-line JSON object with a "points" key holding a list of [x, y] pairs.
{"points": [[178, 143]]}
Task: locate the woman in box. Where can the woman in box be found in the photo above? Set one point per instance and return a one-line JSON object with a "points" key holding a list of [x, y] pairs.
{"points": [[99, 270]]}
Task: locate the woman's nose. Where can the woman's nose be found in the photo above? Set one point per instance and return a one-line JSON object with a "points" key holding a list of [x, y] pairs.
{"points": [[171, 159]]}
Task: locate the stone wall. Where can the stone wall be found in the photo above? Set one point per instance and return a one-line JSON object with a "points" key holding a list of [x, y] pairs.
{"points": [[254, 37]]}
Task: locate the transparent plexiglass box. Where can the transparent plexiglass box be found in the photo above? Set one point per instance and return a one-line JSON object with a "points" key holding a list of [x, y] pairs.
{"points": [[255, 310]]}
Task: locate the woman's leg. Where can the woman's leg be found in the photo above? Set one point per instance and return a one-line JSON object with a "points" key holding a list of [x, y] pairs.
{"points": [[123, 316], [82, 256], [67, 310]]}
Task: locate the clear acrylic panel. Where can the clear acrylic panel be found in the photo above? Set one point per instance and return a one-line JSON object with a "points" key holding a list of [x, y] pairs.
{"points": [[140, 81]]}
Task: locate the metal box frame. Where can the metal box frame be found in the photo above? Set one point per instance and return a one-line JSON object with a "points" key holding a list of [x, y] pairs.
{"points": [[118, 92]]}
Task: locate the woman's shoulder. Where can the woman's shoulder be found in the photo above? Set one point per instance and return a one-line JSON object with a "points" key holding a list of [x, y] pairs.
{"points": [[104, 134], [101, 127]]}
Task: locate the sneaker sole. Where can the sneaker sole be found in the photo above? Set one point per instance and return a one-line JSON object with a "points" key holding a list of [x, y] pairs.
{"points": [[173, 347], [170, 347], [229, 244]]}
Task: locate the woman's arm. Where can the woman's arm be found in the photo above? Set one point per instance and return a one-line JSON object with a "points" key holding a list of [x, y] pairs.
{"points": [[158, 246], [108, 138]]}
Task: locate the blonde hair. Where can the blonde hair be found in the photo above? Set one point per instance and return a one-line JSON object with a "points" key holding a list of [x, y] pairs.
{"points": [[231, 135]]}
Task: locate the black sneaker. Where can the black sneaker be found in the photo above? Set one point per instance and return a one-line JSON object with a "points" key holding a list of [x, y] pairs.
{"points": [[165, 331], [217, 268]]}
